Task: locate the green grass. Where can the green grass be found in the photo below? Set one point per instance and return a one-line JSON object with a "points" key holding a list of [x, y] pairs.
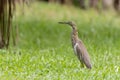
{"points": [[44, 49]]}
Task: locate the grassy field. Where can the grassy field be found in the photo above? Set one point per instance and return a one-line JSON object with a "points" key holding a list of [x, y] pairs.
{"points": [[44, 49]]}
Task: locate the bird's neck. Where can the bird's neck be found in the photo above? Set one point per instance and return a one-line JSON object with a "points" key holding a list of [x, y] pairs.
{"points": [[74, 36], [74, 32]]}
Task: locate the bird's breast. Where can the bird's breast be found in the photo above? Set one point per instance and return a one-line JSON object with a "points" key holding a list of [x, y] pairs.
{"points": [[75, 48]]}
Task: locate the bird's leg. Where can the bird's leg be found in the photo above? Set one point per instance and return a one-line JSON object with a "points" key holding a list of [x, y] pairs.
{"points": [[82, 64]]}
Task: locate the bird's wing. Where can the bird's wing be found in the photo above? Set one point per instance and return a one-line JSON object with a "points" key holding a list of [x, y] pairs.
{"points": [[83, 54]]}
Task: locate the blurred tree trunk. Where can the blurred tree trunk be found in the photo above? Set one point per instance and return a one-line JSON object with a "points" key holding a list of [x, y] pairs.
{"points": [[1, 41], [61, 1], [6, 13], [82, 4], [51, 0], [117, 5], [93, 3], [107, 4], [68, 2]]}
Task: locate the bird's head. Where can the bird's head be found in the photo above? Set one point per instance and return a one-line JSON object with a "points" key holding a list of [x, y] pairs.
{"points": [[71, 23]]}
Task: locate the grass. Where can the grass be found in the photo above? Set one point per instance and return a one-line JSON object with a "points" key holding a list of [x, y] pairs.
{"points": [[44, 49]]}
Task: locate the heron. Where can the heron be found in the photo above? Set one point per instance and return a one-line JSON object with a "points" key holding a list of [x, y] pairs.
{"points": [[78, 46]]}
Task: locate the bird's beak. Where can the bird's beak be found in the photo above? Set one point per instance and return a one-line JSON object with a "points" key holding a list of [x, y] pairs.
{"points": [[63, 22]]}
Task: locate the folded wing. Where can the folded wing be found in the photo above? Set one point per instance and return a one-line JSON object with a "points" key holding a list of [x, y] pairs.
{"points": [[83, 54]]}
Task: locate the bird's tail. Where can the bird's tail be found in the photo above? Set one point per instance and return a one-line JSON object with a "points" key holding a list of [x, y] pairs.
{"points": [[87, 62], [88, 65]]}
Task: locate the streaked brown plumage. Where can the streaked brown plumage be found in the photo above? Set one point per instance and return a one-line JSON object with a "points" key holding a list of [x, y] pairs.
{"points": [[78, 46]]}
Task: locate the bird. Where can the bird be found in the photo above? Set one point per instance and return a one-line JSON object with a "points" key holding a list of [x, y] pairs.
{"points": [[78, 46]]}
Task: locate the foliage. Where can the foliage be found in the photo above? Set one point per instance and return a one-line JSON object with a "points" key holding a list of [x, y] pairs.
{"points": [[45, 52]]}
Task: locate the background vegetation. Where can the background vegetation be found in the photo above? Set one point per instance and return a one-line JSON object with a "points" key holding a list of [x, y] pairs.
{"points": [[44, 49]]}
